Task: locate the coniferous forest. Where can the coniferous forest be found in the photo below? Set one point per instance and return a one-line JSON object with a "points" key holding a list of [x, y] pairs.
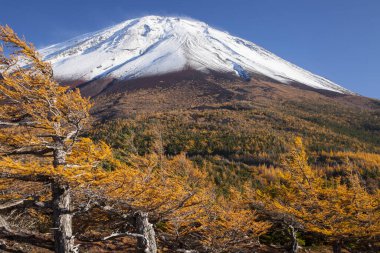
{"points": [[235, 176]]}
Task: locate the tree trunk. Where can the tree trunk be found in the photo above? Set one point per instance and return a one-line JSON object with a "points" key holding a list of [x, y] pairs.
{"points": [[59, 155], [143, 227], [293, 235], [337, 246], [62, 219]]}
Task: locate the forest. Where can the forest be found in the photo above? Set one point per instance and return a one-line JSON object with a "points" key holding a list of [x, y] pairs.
{"points": [[235, 177]]}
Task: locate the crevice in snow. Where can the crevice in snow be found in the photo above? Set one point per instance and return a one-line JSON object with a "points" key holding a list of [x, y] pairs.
{"points": [[241, 72]]}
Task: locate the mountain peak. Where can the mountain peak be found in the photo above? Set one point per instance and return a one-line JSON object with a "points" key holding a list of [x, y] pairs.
{"points": [[156, 45]]}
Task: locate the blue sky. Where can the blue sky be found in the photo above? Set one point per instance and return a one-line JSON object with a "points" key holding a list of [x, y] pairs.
{"points": [[338, 39]]}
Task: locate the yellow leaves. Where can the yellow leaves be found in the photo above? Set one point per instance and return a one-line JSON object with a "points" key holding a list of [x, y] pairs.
{"points": [[298, 143], [333, 208], [83, 164], [173, 189], [296, 163], [30, 55], [87, 153], [370, 158], [232, 222], [34, 103], [40, 118]]}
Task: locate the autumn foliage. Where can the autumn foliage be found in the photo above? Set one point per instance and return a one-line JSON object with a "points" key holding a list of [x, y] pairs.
{"points": [[338, 208]]}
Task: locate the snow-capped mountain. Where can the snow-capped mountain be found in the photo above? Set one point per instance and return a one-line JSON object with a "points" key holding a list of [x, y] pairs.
{"points": [[155, 45]]}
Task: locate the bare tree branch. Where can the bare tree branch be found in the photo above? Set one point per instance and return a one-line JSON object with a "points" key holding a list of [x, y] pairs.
{"points": [[32, 178], [24, 203], [24, 236]]}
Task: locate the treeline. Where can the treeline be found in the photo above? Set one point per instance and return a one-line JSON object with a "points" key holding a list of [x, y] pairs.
{"points": [[221, 181]]}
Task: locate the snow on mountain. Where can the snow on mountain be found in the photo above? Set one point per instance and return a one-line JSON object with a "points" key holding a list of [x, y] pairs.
{"points": [[156, 45]]}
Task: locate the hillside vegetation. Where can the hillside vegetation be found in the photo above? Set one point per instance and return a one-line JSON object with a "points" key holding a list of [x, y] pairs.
{"points": [[233, 138]]}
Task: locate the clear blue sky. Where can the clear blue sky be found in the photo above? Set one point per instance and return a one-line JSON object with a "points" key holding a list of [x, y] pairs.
{"points": [[338, 39]]}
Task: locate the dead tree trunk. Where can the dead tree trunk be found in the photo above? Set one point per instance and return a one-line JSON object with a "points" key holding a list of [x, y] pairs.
{"points": [[59, 155], [147, 243], [293, 235], [62, 219]]}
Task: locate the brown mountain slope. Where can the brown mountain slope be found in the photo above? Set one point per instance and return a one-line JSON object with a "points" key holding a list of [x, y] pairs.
{"points": [[194, 90]]}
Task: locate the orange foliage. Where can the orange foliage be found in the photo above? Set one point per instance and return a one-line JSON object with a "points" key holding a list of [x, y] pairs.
{"points": [[334, 208]]}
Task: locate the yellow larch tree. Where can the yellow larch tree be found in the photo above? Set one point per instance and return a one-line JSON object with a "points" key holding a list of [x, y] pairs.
{"points": [[233, 225], [338, 209], [180, 202], [40, 124], [171, 192]]}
